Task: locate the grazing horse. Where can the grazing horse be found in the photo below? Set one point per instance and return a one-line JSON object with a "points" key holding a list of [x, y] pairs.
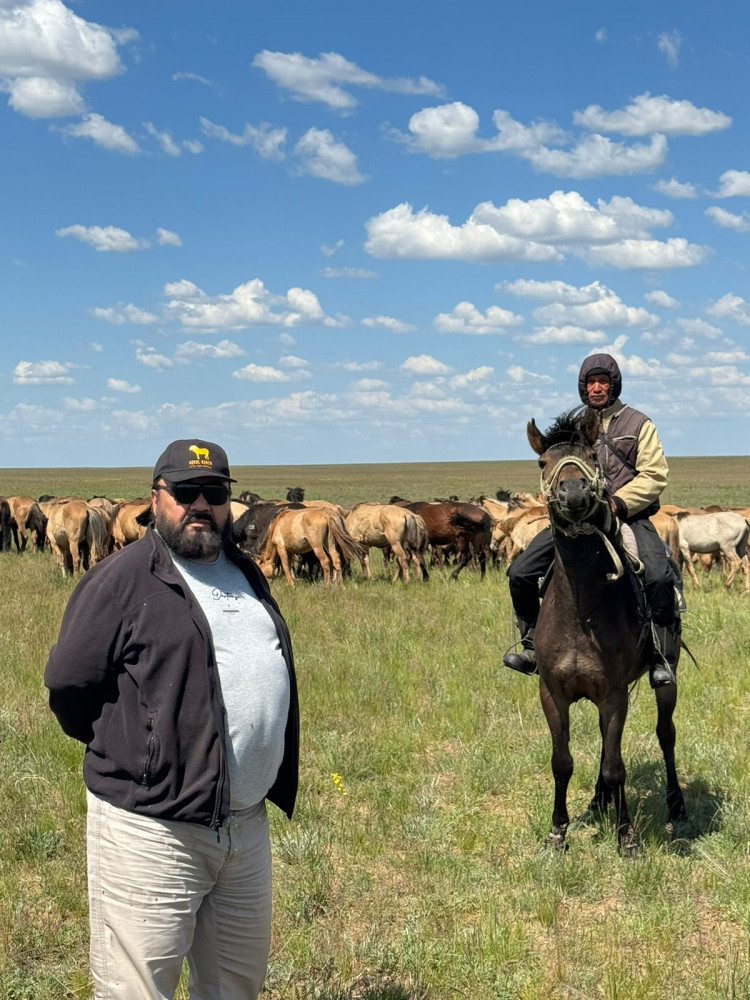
{"points": [[592, 636], [388, 526], [294, 532], [463, 525], [78, 535]]}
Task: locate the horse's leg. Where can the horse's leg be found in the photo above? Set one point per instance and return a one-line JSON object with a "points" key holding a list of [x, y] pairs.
{"points": [[602, 791], [325, 562], [613, 715], [402, 562], [688, 563], [335, 557], [666, 699], [284, 558], [366, 565], [562, 764], [464, 550]]}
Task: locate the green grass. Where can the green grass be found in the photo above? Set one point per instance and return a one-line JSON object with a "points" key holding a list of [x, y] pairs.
{"points": [[419, 871]]}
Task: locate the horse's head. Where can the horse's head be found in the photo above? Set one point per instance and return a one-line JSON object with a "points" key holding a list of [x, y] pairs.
{"points": [[571, 480]]}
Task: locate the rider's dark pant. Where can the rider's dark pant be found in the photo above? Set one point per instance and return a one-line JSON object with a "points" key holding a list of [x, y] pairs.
{"points": [[525, 571]]}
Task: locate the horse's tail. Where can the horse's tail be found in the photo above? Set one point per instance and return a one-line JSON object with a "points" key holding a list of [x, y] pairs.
{"points": [[348, 548], [471, 525], [97, 534]]}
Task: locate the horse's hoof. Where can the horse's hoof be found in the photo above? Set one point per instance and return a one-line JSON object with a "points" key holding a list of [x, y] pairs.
{"points": [[556, 841], [629, 845]]}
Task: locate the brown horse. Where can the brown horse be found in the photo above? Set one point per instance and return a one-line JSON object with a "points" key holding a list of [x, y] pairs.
{"points": [[388, 526], [78, 535], [126, 527], [295, 532], [591, 637], [464, 526]]}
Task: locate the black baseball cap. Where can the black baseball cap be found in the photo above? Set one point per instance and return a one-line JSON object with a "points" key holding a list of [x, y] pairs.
{"points": [[192, 459]]}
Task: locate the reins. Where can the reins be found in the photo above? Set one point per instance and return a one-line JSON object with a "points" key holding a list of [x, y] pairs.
{"points": [[572, 529]]}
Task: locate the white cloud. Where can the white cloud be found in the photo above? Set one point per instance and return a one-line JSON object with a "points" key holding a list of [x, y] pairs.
{"points": [[731, 307], [601, 308], [600, 35], [466, 318], [734, 183], [192, 76], [151, 358], [728, 220], [40, 97], [450, 130], [388, 323], [726, 357], [597, 156], [291, 361], [471, 378], [104, 238], [164, 139], [424, 364], [121, 385], [266, 140], [195, 349], [670, 43], [167, 238], [327, 78], [646, 114], [249, 305], [369, 384], [103, 133], [322, 156], [647, 255], [43, 373], [194, 146], [660, 299], [519, 374], [699, 328], [676, 189], [47, 51], [125, 314], [402, 233], [564, 335], [260, 373], [359, 366], [634, 365], [348, 272], [554, 291], [330, 250]]}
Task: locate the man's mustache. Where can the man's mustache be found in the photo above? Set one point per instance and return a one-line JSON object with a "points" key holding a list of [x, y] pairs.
{"points": [[195, 515]]}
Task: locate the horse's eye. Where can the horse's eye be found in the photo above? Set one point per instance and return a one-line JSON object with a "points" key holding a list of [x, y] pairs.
{"points": [[541, 463]]}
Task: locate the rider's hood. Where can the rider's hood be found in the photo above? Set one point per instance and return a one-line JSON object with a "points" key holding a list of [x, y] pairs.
{"points": [[600, 364]]}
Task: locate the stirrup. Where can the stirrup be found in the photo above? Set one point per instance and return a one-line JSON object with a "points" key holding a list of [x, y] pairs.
{"points": [[660, 675]]}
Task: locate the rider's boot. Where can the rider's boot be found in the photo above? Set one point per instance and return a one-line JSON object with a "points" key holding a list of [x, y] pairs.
{"points": [[523, 660], [664, 663]]}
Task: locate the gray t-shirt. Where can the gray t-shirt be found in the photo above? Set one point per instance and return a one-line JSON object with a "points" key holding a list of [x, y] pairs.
{"points": [[252, 671]]}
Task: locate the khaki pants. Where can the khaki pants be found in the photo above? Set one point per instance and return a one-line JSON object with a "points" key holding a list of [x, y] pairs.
{"points": [[161, 891]]}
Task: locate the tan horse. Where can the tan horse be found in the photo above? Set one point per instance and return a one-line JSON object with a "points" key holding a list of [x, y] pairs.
{"points": [[20, 506], [295, 532], [125, 527], [384, 526], [78, 535]]}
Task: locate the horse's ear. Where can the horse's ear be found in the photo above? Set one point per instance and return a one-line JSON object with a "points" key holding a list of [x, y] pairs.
{"points": [[536, 438], [590, 426]]}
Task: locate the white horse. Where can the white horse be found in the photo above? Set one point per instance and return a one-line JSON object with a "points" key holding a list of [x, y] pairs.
{"points": [[725, 532]]}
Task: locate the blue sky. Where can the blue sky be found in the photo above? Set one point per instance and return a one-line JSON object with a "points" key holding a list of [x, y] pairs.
{"points": [[342, 232]]}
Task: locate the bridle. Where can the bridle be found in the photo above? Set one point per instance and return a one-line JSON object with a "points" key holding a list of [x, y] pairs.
{"points": [[561, 521]]}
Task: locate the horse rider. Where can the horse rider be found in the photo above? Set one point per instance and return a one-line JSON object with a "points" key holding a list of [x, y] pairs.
{"points": [[633, 463]]}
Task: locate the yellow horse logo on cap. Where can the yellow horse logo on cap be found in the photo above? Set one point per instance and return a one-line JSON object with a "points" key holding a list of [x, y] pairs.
{"points": [[200, 453]]}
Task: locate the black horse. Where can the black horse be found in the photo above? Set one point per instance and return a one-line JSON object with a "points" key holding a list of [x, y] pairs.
{"points": [[593, 636]]}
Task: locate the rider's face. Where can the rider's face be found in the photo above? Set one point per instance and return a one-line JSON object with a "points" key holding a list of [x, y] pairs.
{"points": [[597, 390]]}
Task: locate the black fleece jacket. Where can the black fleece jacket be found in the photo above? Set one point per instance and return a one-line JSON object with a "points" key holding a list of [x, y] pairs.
{"points": [[133, 676]]}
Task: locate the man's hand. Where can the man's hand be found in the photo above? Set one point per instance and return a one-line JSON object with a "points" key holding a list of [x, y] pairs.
{"points": [[618, 507]]}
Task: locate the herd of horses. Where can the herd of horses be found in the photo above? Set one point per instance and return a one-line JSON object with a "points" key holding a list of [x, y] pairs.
{"points": [[593, 638]]}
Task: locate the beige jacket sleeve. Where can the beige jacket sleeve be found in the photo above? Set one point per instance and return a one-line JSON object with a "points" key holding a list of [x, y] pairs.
{"points": [[651, 479]]}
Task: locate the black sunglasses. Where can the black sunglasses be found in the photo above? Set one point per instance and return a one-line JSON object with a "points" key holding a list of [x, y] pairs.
{"points": [[214, 494]]}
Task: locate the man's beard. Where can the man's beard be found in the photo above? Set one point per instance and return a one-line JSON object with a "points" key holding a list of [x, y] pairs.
{"points": [[206, 544]]}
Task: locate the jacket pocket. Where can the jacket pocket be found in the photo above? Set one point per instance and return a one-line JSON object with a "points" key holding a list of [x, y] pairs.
{"points": [[152, 747]]}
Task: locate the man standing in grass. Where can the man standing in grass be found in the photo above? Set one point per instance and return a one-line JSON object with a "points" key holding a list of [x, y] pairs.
{"points": [[174, 667]]}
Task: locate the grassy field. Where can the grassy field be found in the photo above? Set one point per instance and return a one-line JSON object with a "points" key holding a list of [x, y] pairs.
{"points": [[414, 866]]}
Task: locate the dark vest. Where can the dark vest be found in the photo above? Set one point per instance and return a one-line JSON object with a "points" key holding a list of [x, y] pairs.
{"points": [[624, 428]]}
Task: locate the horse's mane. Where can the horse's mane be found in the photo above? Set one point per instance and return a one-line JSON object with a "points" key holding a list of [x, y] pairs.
{"points": [[567, 429]]}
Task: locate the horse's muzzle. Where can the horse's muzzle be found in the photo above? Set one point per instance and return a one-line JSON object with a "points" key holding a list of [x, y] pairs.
{"points": [[574, 498]]}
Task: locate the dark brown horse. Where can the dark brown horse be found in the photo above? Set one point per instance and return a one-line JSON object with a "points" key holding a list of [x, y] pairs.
{"points": [[463, 525], [593, 639]]}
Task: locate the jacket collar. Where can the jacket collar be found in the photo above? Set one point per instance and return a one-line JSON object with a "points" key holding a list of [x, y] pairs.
{"points": [[610, 411]]}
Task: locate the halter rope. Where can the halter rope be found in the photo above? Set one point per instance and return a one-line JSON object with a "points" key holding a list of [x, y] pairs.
{"points": [[572, 529]]}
